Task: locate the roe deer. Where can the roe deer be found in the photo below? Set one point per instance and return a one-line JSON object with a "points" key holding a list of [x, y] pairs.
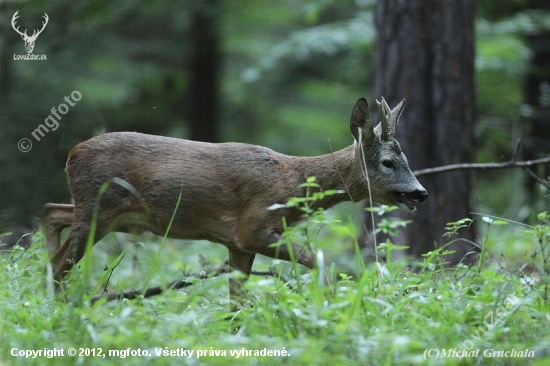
{"points": [[225, 189]]}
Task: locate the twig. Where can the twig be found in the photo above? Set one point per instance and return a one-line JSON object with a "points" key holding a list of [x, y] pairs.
{"points": [[181, 283], [373, 243], [110, 274], [363, 165], [537, 178], [481, 166], [273, 274], [157, 290], [516, 151], [24, 249]]}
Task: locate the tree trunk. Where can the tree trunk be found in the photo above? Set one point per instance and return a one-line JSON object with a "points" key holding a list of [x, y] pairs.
{"points": [[5, 60], [424, 52], [537, 97], [205, 65]]}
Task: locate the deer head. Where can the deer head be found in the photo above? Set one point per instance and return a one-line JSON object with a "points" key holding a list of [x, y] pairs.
{"points": [[382, 161], [29, 40]]}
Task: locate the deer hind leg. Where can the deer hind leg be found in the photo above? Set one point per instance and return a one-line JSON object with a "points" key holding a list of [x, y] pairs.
{"points": [[56, 218], [72, 250]]}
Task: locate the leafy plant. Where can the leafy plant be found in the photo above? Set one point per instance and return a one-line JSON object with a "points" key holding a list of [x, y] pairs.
{"points": [[381, 314]]}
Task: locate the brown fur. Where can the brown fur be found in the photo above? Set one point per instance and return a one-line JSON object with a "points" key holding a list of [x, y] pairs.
{"points": [[225, 190]]}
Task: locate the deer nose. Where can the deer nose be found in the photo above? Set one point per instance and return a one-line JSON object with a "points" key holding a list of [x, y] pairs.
{"points": [[418, 195]]}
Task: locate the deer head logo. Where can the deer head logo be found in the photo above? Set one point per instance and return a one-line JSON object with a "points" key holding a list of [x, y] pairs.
{"points": [[29, 40]]}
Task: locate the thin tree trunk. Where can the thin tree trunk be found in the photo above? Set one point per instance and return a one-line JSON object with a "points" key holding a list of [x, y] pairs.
{"points": [[537, 94], [424, 52], [205, 65], [5, 81]]}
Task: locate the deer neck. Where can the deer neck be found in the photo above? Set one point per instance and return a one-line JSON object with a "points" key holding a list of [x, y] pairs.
{"points": [[339, 171]]}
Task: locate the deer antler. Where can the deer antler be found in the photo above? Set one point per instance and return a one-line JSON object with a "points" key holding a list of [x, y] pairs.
{"points": [[43, 26], [13, 21], [29, 41], [388, 120], [24, 34]]}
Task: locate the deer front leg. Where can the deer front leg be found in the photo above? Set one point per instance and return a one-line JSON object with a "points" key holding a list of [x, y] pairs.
{"points": [[56, 218], [301, 254], [241, 261]]}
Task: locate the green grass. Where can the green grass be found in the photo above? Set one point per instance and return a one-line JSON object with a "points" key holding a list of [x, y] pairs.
{"points": [[369, 315]]}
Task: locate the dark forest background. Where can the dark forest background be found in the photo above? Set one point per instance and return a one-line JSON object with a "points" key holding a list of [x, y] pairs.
{"points": [[285, 74]]}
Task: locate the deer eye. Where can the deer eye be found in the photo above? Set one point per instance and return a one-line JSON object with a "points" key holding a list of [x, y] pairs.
{"points": [[388, 164]]}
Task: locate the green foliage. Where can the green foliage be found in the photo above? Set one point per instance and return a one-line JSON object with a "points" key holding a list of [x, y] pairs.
{"points": [[494, 10], [313, 194], [289, 71], [387, 226], [505, 53], [384, 314], [452, 227]]}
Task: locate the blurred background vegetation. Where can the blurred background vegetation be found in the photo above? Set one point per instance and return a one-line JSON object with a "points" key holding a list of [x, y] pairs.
{"points": [[284, 74]]}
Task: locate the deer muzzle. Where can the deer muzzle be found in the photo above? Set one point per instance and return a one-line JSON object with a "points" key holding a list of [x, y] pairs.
{"points": [[409, 200]]}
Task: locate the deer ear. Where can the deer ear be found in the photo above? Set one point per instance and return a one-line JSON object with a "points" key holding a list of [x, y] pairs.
{"points": [[361, 118]]}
